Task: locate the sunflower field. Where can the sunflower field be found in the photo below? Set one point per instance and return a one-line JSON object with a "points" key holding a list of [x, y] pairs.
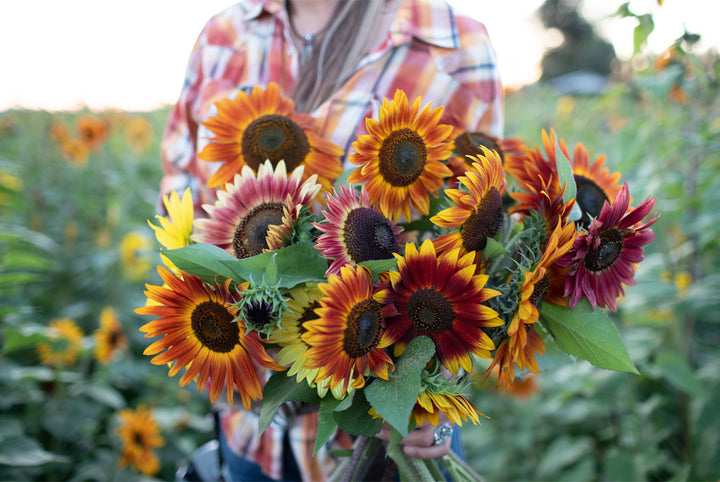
{"points": [[80, 401]]}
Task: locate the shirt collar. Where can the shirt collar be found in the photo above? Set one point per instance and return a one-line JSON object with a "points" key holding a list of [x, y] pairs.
{"points": [[430, 21]]}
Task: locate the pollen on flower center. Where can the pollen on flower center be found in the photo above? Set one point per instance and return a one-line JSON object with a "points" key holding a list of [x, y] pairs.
{"points": [[590, 197], [484, 223], [602, 257], [251, 232], [213, 325], [402, 157], [430, 311], [363, 330], [540, 289], [367, 235], [274, 137]]}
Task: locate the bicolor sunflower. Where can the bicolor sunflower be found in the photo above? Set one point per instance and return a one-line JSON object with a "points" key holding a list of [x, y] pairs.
{"points": [[200, 332], [255, 214], [455, 406], [354, 232], [65, 343], [348, 339], [477, 213], [441, 297], [520, 350], [109, 338], [594, 183], [175, 230], [251, 129], [304, 299], [469, 145], [602, 260], [140, 436], [401, 157]]}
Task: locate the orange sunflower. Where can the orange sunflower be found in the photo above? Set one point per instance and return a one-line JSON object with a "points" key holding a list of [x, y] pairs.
{"points": [[109, 338], [477, 213], [251, 129], [92, 131], [64, 345], [348, 338], [201, 333], [457, 408], [140, 435], [441, 297], [401, 158]]}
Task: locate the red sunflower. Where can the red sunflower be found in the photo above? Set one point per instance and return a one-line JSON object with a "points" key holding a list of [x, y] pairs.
{"points": [[441, 297], [468, 145], [200, 333]]}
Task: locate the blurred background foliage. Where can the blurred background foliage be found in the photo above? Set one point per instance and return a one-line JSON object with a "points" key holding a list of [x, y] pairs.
{"points": [[76, 189]]}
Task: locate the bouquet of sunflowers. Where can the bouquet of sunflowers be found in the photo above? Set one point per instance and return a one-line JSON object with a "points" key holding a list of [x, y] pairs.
{"points": [[372, 293]]}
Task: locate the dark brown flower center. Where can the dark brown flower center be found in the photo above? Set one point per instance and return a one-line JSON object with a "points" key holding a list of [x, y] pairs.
{"points": [[258, 313], [364, 328], [213, 325], [402, 157], [602, 257], [274, 137], [540, 289], [430, 311], [138, 439], [308, 314], [469, 143], [367, 235], [251, 232], [590, 198], [484, 223]]}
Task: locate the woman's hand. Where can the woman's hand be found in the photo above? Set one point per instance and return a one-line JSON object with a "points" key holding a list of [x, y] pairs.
{"points": [[420, 442]]}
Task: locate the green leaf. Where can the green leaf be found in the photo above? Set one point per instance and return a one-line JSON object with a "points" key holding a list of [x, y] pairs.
{"points": [[24, 452], [296, 264], [282, 388], [394, 399], [493, 249], [356, 419], [642, 31], [587, 334], [676, 370], [18, 338], [271, 271], [326, 421], [565, 173], [377, 266], [205, 261]]}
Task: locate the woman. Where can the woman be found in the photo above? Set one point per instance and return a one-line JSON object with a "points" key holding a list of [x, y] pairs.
{"points": [[338, 60]]}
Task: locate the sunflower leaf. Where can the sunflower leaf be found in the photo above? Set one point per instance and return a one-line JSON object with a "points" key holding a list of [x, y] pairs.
{"points": [[394, 399], [296, 264], [326, 422], [565, 173], [587, 334], [356, 419], [281, 388], [205, 261], [377, 266]]}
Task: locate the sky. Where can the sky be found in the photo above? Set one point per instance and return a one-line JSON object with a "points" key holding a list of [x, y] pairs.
{"points": [[131, 55]]}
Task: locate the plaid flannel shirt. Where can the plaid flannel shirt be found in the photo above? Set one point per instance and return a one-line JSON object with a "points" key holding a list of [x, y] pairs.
{"points": [[431, 51]]}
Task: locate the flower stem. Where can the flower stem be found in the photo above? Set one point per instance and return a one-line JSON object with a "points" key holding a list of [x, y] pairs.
{"points": [[458, 469], [410, 468], [357, 466]]}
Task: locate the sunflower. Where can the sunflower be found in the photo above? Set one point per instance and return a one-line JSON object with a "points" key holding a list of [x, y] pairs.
{"points": [[255, 214], [349, 336], [468, 145], [139, 133], [355, 232], [109, 338], [74, 151], [92, 131], [65, 345], [440, 296], [457, 408], [518, 349], [594, 183], [200, 332], [140, 435], [175, 230], [602, 260], [301, 308], [401, 158], [477, 212], [135, 252], [251, 129]]}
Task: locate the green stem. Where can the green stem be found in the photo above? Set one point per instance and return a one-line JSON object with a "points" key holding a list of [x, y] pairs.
{"points": [[434, 468], [355, 467], [410, 468], [459, 470]]}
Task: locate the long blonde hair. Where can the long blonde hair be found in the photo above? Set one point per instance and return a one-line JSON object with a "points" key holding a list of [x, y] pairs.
{"points": [[347, 39]]}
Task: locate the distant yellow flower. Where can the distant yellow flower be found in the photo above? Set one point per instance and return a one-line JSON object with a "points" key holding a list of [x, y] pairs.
{"points": [[8, 183], [65, 346], [175, 230], [109, 338], [139, 133], [682, 281], [565, 107], [140, 435], [75, 151], [135, 254]]}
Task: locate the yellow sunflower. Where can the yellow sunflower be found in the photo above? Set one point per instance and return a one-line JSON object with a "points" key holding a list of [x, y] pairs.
{"points": [[456, 406], [109, 338], [348, 338], [477, 213], [401, 158], [201, 333], [251, 129], [176, 229], [139, 133], [140, 435], [65, 344], [135, 252]]}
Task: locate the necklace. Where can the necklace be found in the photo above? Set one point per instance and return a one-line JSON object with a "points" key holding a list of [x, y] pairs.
{"points": [[308, 40]]}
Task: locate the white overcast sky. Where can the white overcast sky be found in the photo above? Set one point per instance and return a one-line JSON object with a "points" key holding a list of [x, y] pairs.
{"points": [[131, 54]]}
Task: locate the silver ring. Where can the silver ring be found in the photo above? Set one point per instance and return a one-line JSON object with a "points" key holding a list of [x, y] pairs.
{"points": [[442, 433]]}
